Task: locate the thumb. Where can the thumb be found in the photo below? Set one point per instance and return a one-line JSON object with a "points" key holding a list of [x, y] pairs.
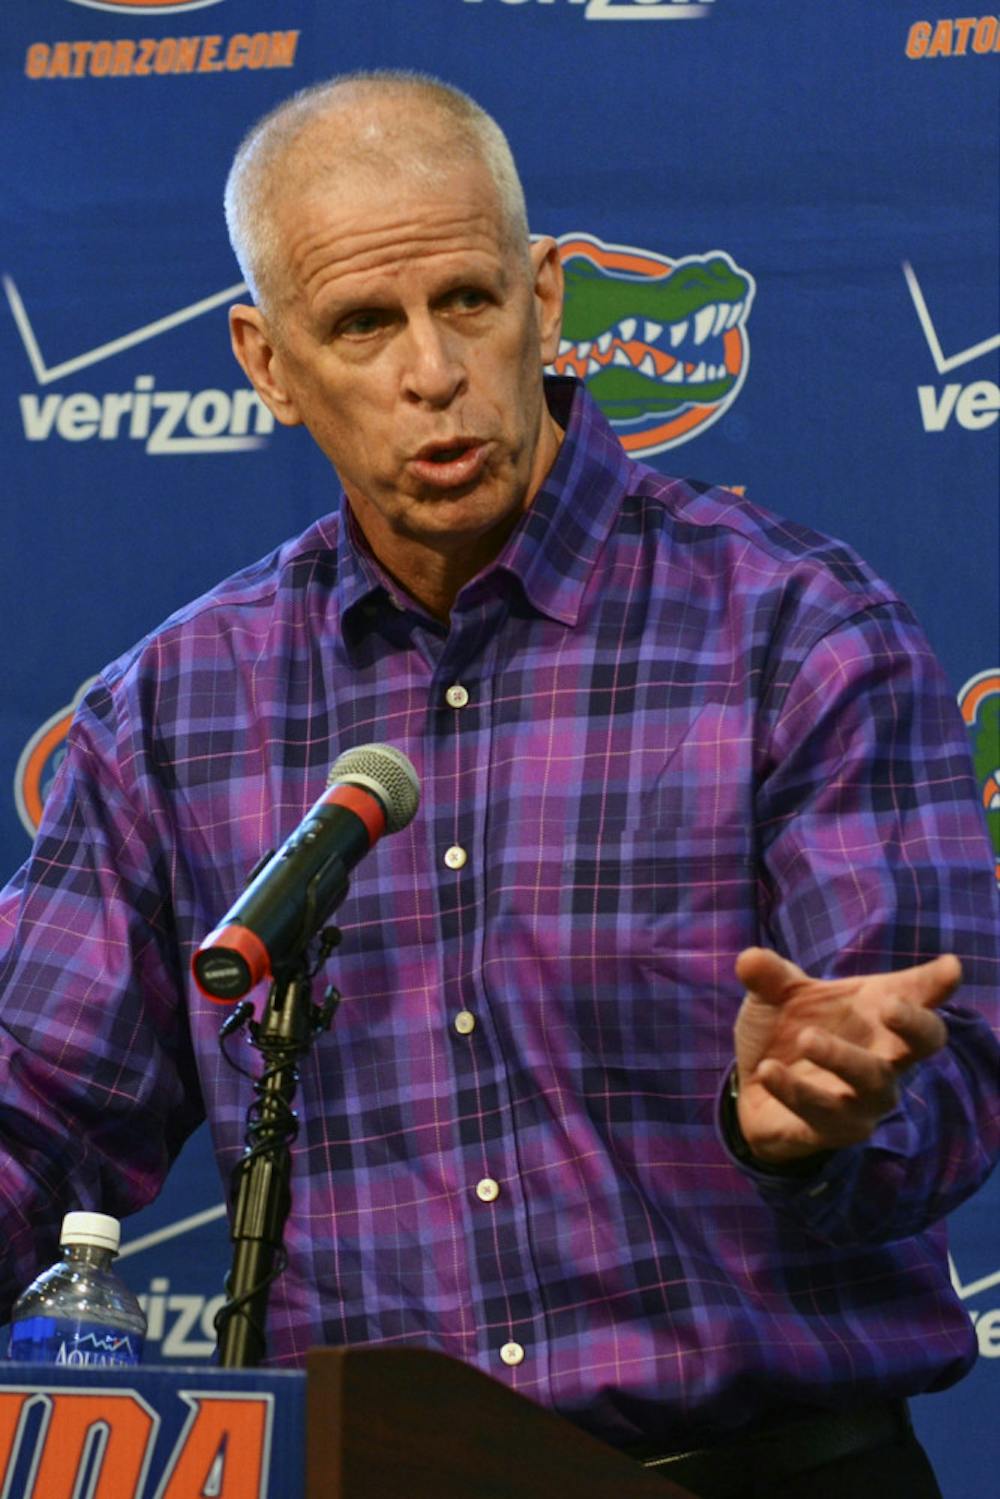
{"points": [[766, 975]]}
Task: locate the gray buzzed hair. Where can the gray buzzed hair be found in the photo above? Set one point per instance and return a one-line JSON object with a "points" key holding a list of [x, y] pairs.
{"points": [[445, 120]]}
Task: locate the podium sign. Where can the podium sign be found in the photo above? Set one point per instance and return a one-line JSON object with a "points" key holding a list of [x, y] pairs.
{"points": [[380, 1422], [151, 1433]]}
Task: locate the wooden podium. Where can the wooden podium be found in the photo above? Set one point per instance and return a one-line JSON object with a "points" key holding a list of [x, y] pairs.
{"points": [[417, 1424], [360, 1423]]}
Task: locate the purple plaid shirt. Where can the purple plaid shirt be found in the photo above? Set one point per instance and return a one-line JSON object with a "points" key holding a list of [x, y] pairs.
{"points": [[684, 726]]}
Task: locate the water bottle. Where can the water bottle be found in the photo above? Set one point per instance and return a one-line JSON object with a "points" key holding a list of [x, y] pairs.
{"points": [[78, 1312]]}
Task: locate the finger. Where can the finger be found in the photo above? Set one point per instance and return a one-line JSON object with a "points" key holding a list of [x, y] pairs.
{"points": [[871, 1079], [921, 1031], [929, 984], [766, 974], [833, 1120]]}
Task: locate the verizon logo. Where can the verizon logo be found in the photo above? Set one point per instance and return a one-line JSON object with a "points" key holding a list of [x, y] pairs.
{"points": [[168, 422]]}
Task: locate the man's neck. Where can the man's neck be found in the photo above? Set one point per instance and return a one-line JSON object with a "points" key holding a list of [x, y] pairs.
{"points": [[434, 570], [433, 577]]}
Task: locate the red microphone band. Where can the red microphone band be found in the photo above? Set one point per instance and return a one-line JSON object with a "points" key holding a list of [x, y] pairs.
{"points": [[363, 803], [239, 942]]}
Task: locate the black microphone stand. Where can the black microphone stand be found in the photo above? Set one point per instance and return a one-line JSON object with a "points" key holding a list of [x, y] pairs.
{"points": [[261, 1180]]}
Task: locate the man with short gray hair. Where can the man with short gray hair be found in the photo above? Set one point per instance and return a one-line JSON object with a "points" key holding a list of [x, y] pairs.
{"points": [[652, 1091]]}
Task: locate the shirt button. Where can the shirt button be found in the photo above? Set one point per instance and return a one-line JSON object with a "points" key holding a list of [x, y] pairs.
{"points": [[487, 1190], [456, 697], [455, 857], [512, 1354], [465, 1022]]}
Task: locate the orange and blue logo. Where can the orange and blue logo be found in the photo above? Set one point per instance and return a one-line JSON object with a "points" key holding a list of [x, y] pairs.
{"points": [[979, 701], [662, 344], [106, 1441], [39, 761]]}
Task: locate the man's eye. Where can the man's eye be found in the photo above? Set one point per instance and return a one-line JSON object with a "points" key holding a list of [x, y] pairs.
{"points": [[468, 298], [360, 324]]}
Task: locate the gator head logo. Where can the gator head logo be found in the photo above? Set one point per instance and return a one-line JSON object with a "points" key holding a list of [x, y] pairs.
{"points": [[146, 7], [979, 701], [662, 344], [39, 761]]}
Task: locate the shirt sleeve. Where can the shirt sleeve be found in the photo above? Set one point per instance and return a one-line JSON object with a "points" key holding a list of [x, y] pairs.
{"points": [[97, 1079], [875, 857]]}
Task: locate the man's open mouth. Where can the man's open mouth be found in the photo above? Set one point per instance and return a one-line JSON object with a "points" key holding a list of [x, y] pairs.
{"points": [[446, 455], [451, 464]]}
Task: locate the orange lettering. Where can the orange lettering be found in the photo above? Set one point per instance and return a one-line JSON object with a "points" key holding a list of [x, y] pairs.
{"points": [[165, 54], [236, 52], [209, 62], [260, 50], [81, 51], [187, 53], [941, 40], [962, 27], [916, 42], [143, 63], [37, 59], [59, 65], [221, 1450], [78, 1420], [283, 45], [124, 53], [986, 34], [100, 62]]}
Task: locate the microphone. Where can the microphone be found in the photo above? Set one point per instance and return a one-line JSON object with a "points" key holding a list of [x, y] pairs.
{"points": [[371, 790]]}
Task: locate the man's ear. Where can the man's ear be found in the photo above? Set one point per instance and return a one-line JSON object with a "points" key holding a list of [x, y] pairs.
{"points": [[260, 361], [548, 290]]}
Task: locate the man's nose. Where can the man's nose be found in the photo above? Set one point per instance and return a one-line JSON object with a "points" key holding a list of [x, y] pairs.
{"points": [[434, 372]]}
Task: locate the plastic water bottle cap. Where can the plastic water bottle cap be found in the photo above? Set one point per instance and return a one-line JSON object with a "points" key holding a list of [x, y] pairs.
{"points": [[98, 1229]]}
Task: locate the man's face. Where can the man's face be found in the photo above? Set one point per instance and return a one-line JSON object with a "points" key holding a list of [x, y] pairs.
{"points": [[411, 345]]}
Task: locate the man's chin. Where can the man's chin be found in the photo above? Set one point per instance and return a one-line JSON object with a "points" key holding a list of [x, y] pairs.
{"points": [[476, 511]]}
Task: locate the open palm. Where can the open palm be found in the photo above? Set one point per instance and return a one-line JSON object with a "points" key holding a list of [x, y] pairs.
{"points": [[819, 1060]]}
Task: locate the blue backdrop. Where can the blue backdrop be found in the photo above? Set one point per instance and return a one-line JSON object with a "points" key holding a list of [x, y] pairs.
{"points": [[827, 174]]}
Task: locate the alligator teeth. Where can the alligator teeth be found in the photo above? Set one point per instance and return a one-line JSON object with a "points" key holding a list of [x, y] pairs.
{"points": [[593, 367], [646, 366], [676, 375], [565, 345], [721, 314], [704, 321], [627, 328], [651, 331], [620, 357], [604, 342], [698, 374], [584, 349], [678, 331], [735, 315]]}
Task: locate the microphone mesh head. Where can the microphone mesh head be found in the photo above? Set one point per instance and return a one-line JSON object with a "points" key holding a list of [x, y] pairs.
{"points": [[386, 771]]}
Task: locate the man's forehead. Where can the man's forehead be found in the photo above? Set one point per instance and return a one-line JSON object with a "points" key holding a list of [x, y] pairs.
{"points": [[336, 254], [359, 215], [341, 179], [344, 201]]}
